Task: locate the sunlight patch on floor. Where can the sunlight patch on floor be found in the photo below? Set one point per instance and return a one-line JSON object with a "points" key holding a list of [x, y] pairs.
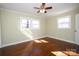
{"points": [[64, 53], [44, 41], [58, 53], [37, 41], [71, 53], [40, 41]]}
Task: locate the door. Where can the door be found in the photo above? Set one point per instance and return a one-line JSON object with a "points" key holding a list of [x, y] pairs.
{"points": [[0, 35], [77, 29]]}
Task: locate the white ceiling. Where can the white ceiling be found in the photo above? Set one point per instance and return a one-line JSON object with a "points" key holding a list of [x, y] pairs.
{"points": [[28, 7]]}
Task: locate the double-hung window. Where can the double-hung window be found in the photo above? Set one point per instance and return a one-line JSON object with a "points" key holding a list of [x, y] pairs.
{"points": [[64, 22], [30, 23]]}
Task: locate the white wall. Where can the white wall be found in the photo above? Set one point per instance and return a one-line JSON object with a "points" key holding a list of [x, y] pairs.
{"points": [[62, 34], [0, 32], [11, 32]]}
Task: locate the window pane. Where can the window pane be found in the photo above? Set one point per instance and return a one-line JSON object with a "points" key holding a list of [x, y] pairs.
{"points": [[35, 24], [64, 22], [23, 23], [29, 23]]}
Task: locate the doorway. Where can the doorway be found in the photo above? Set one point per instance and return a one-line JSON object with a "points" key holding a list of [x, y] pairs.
{"points": [[77, 29]]}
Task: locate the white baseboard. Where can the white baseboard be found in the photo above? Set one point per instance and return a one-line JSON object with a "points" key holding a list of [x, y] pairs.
{"points": [[34, 38], [14, 43], [62, 39]]}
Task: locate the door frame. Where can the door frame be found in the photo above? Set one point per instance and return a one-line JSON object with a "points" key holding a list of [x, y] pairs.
{"points": [[76, 38]]}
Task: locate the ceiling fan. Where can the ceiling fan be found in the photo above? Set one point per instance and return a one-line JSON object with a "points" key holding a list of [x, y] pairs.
{"points": [[42, 8]]}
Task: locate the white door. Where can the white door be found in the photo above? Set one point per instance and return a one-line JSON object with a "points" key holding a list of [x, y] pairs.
{"points": [[0, 35], [77, 29]]}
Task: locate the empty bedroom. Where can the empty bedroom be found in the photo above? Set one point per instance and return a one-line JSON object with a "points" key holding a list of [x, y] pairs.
{"points": [[39, 29]]}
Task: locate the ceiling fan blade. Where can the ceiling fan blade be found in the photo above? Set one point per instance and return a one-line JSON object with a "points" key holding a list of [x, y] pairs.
{"points": [[36, 8], [42, 8], [48, 8], [38, 11]]}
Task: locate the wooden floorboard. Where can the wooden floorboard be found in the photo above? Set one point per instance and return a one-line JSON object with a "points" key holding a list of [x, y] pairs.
{"points": [[40, 47]]}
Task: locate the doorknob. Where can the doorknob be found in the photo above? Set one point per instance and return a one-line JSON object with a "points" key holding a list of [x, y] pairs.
{"points": [[75, 30]]}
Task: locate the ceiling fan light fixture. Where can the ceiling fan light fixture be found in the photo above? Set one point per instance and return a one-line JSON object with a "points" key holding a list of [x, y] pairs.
{"points": [[42, 10]]}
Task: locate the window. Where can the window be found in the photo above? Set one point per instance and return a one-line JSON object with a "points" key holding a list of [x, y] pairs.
{"points": [[64, 22], [24, 23], [30, 23], [34, 24]]}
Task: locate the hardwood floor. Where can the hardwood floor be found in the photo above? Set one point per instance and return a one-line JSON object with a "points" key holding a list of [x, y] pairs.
{"points": [[40, 47]]}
